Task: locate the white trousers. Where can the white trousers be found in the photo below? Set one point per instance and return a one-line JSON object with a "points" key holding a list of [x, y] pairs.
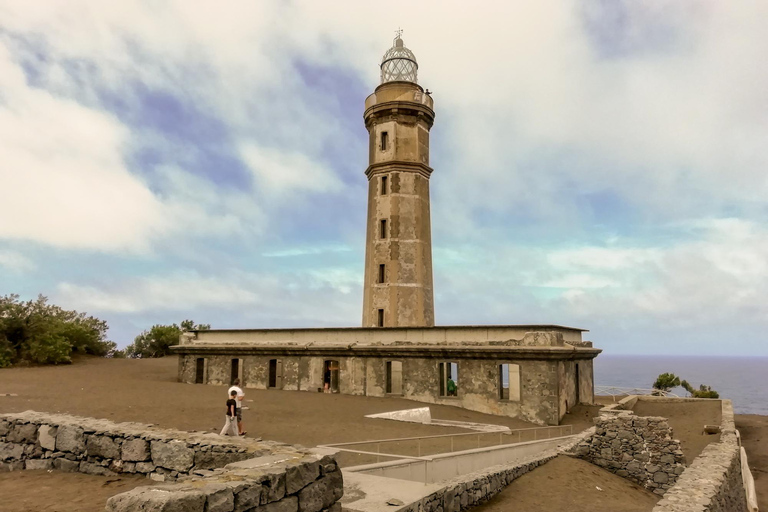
{"points": [[231, 424]]}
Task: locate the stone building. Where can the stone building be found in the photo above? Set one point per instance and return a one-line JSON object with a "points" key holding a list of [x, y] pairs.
{"points": [[535, 372]]}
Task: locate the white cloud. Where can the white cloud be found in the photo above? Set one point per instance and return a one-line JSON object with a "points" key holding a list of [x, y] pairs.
{"points": [[299, 299], [281, 171], [174, 293], [64, 181], [662, 109], [15, 261]]}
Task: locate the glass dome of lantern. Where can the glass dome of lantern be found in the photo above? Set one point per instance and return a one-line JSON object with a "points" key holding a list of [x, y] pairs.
{"points": [[399, 63]]}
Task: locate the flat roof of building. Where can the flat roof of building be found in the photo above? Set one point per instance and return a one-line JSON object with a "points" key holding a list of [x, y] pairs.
{"points": [[532, 327]]}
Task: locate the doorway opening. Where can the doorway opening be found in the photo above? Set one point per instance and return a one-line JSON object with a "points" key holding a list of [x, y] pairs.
{"points": [[578, 385], [234, 373], [331, 376], [509, 382], [395, 377], [275, 374], [448, 378], [200, 371]]}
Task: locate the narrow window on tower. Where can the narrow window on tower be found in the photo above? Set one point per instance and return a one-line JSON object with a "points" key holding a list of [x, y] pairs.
{"points": [[384, 185], [382, 273], [381, 318], [383, 229], [384, 140]]}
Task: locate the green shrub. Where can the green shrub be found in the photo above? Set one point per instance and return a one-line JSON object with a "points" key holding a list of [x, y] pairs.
{"points": [[50, 348], [39, 332], [665, 382], [157, 341], [702, 392]]}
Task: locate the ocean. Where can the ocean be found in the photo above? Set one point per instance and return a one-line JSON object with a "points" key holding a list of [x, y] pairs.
{"points": [[741, 379]]}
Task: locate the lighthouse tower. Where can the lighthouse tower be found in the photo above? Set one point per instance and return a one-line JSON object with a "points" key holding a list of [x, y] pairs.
{"points": [[398, 252]]}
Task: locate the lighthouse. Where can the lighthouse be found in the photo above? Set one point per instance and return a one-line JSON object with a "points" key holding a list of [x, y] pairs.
{"points": [[398, 255]]}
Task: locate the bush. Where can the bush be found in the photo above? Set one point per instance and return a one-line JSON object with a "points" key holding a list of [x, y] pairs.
{"points": [[702, 392], [157, 341], [665, 382], [39, 332]]}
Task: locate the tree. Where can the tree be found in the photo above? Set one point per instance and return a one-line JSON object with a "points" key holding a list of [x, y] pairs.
{"points": [[665, 382], [702, 392], [157, 341], [39, 332]]}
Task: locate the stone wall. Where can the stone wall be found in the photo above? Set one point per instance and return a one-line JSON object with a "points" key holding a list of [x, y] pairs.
{"points": [[282, 482], [713, 482], [640, 449], [35, 440], [211, 473]]}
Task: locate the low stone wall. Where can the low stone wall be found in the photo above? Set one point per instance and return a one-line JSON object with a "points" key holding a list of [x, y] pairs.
{"points": [[713, 482], [213, 473], [35, 440], [282, 482], [639, 448]]}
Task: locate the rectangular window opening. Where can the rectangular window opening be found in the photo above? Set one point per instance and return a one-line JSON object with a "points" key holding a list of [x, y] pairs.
{"points": [[384, 140], [383, 228], [382, 274], [395, 377], [509, 382], [381, 318], [384, 185], [448, 378]]}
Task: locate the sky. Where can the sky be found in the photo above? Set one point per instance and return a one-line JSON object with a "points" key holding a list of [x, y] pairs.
{"points": [[597, 163]]}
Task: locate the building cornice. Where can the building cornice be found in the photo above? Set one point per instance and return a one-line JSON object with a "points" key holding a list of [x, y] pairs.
{"points": [[390, 351], [400, 166], [395, 108]]}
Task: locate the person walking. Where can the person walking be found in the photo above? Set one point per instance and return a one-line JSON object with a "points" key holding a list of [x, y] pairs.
{"points": [[230, 424], [240, 395]]}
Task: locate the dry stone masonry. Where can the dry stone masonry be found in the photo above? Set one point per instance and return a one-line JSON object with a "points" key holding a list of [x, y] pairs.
{"points": [[286, 481], [211, 473], [34, 440], [713, 482], [639, 448]]}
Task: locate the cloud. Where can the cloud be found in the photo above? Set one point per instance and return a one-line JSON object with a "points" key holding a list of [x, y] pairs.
{"points": [[15, 261], [280, 171], [599, 163], [64, 181], [175, 293], [290, 299]]}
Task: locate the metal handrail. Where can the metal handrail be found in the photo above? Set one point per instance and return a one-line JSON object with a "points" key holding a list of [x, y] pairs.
{"points": [[619, 391], [396, 439]]}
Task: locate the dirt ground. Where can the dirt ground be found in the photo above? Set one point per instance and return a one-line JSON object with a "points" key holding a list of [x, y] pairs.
{"points": [[580, 487], [146, 391], [754, 438], [687, 420], [41, 491]]}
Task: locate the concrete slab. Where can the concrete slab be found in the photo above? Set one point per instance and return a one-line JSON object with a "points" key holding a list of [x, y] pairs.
{"points": [[368, 493], [424, 415], [418, 415]]}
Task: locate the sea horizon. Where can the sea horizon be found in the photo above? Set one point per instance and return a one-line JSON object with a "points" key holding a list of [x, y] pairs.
{"points": [[742, 379]]}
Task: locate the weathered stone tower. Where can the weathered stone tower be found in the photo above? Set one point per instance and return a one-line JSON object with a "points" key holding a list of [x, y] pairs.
{"points": [[398, 252]]}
